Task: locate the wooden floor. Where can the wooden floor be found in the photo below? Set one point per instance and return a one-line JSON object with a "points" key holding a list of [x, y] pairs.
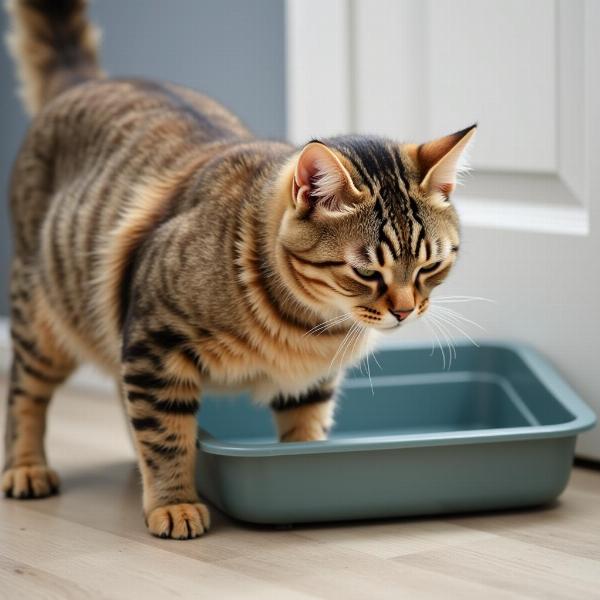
{"points": [[90, 542]]}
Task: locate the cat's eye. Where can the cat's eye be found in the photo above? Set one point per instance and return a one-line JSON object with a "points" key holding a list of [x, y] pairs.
{"points": [[366, 273], [429, 268]]}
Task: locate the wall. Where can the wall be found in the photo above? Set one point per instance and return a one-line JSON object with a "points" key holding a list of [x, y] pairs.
{"points": [[230, 49]]}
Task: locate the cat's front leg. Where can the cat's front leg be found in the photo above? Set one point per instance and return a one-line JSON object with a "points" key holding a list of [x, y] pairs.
{"points": [[161, 391], [307, 416]]}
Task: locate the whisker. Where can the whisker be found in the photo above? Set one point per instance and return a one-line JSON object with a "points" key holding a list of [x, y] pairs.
{"points": [[361, 335], [433, 328], [459, 329], [348, 339], [357, 336], [330, 320], [451, 341], [343, 342], [352, 352], [375, 359], [447, 339], [442, 338], [430, 329], [452, 299], [351, 343], [360, 366], [369, 374], [329, 323], [453, 313]]}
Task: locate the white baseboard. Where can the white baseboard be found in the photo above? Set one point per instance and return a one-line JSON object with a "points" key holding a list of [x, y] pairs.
{"points": [[86, 378]]}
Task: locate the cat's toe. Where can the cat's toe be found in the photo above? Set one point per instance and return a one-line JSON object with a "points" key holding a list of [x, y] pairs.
{"points": [[35, 481], [179, 521]]}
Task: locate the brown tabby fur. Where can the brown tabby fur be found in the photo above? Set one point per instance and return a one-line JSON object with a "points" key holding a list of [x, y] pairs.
{"points": [[156, 237]]}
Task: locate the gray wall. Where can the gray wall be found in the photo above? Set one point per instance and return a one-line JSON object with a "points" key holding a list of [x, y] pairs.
{"points": [[231, 49]]}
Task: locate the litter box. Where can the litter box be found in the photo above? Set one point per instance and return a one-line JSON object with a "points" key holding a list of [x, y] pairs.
{"points": [[496, 431]]}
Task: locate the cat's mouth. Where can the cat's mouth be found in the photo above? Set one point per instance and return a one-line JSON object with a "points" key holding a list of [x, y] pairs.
{"points": [[374, 319], [387, 319]]}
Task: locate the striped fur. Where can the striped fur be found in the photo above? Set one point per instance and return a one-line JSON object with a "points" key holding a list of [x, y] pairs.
{"points": [[156, 237], [54, 46]]}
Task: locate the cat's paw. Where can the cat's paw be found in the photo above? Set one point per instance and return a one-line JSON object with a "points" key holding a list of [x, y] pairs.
{"points": [[36, 481], [179, 521]]}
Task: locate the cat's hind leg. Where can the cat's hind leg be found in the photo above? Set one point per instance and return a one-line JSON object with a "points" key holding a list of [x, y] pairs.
{"points": [[39, 366]]}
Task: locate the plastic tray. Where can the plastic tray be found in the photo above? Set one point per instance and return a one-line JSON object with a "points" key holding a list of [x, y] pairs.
{"points": [[496, 431]]}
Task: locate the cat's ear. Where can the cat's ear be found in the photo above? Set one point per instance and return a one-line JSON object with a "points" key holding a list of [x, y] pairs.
{"points": [[321, 182], [441, 160]]}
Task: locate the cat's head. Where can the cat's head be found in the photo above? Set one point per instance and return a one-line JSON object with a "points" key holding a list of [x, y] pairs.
{"points": [[370, 229]]}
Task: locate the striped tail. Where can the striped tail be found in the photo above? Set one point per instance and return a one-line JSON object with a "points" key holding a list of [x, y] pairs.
{"points": [[54, 46]]}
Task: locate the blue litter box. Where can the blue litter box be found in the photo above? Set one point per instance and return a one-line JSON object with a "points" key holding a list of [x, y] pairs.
{"points": [[496, 431]]}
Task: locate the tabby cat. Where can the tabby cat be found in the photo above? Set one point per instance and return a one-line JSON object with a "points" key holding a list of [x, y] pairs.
{"points": [[157, 237]]}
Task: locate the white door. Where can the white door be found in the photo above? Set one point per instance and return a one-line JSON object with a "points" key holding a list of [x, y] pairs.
{"points": [[529, 73]]}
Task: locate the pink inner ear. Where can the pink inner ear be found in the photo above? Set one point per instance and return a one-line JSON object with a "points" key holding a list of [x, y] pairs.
{"points": [[318, 176], [303, 187], [307, 172], [440, 160], [446, 188], [303, 175], [321, 180], [432, 152], [310, 165]]}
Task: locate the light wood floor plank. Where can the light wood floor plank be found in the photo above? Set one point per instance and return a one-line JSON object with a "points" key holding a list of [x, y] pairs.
{"points": [[21, 581], [394, 538], [526, 569], [91, 542], [114, 565]]}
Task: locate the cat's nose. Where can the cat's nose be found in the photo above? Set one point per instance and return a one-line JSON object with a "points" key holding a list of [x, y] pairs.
{"points": [[401, 314], [400, 301]]}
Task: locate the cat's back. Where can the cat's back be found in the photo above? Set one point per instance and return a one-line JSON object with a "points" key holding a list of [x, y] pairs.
{"points": [[97, 141], [99, 118], [105, 103]]}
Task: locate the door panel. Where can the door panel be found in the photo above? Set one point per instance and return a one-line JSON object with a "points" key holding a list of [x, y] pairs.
{"points": [[487, 62]]}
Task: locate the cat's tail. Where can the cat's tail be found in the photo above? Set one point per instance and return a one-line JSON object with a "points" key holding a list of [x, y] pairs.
{"points": [[54, 46]]}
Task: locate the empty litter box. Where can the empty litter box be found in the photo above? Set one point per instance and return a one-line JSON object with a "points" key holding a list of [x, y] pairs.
{"points": [[496, 431]]}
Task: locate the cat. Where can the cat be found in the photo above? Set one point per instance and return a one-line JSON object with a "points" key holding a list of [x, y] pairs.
{"points": [[155, 236]]}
